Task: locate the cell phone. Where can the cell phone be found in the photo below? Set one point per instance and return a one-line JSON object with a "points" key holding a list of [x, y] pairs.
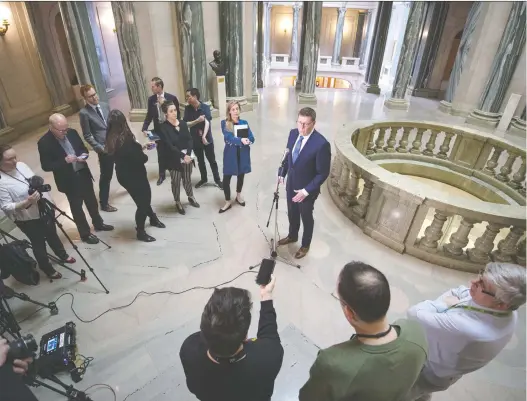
{"points": [[83, 157], [150, 145], [266, 269]]}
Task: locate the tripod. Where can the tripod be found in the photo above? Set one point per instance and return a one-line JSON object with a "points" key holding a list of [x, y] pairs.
{"points": [[82, 274], [47, 209], [71, 392]]}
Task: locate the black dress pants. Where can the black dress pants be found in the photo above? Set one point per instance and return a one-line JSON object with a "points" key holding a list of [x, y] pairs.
{"points": [[139, 190], [106, 164], [82, 193], [161, 158], [40, 231], [201, 151]]}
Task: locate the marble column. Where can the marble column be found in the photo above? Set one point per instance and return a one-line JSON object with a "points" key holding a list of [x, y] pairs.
{"points": [[79, 35], [192, 41], [359, 37], [267, 32], [254, 81], [407, 57], [430, 37], [311, 47], [502, 70], [260, 46], [128, 39], [377, 47], [302, 44], [294, 35], [366, 43], [232, 48], [339, 31], [57, 87]]}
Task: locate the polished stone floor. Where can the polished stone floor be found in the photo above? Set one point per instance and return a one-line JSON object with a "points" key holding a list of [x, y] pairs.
{"points": [[136, 348]]}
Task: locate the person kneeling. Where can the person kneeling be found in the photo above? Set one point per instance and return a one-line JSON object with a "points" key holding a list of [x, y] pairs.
{"points": [[381, 361], [220, 363]]}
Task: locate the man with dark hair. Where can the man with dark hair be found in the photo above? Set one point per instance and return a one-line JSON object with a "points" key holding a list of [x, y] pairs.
{"points": [[155, 114], [307, 167], [220, 363], [381, 361], [198, 117], [93, 117]]}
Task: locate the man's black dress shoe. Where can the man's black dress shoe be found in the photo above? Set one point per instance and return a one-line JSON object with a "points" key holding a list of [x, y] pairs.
{"points": [[90, 239], [104, 227]]}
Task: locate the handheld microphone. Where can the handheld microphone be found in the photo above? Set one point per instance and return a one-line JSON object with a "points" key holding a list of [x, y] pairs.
{"points": [[284, 157]]}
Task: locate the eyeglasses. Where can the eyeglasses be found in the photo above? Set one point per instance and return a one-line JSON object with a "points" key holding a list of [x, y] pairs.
{"points": [[92, 96], [304, 124], [61, 130], [480, 283]]}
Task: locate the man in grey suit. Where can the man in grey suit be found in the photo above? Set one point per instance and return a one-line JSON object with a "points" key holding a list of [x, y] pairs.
{"points": [[93, 119]]}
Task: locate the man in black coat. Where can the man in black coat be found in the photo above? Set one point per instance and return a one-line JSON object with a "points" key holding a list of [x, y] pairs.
{"points": [[63, 152], [155, 114]]}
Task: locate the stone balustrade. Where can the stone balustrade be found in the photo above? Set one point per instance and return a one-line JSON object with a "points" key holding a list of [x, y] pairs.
{"points": [[420, 220]]}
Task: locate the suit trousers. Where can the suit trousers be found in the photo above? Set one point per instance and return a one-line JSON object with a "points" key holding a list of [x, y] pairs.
{"points": [[301, 211], [206, 151], [161, 158], [40, 231], [177, 176], [142, 196], [106, 164], [82, 193]]}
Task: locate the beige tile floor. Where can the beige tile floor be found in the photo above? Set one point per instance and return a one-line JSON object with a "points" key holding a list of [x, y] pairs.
{"points": [[136, 348]]}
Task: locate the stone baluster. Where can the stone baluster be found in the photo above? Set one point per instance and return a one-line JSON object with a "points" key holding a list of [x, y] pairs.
{"points": [[459, 239], [344, 180], [518, 177], [371, 144], [336, 171], [506, 169], [379, 145], [520, 252], [390, 145], [353, 188], [445, 146], [403, 144], [431, 144], [484, 244], [493, 162], [416, 144], [433, 232], [507, 246], [364, 199]]}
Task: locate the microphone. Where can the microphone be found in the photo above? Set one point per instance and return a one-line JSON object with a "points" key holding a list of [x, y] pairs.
{"points": [[284, 156]]}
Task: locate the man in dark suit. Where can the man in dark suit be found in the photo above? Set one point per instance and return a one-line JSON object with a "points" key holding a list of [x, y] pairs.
{"points": [[62, 151], [198, 117], [155, 114], [307, 166], [93, 119]]}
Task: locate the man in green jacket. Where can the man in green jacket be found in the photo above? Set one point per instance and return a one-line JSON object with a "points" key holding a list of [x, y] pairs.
{"points": [[381, 361]]}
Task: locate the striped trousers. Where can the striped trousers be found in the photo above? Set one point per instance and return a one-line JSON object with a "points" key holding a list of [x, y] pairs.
{"points": [[176, 177]]}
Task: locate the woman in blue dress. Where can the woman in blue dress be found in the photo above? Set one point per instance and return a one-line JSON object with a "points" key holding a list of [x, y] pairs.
{"points": [[236, 155]]}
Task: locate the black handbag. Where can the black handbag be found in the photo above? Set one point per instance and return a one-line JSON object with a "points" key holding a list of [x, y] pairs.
{"points": [[16, 262]]}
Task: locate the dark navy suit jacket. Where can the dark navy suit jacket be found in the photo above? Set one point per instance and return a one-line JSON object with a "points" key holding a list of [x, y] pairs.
{"points": [[311, 168], [152, 113]]}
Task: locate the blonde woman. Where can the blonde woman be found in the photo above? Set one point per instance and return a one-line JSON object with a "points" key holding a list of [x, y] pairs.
{"points": [[236, 155]]}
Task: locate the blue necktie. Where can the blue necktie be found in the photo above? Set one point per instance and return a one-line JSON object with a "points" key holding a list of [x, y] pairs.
{"points": [[298, 146]]}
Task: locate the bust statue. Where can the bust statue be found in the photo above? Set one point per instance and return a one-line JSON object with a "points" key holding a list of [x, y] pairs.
{"points": [[217, 64]]}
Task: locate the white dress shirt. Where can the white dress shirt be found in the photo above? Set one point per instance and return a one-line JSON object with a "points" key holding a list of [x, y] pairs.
{"points": [[304, 141], [14, 189], [95, 107], [460, 341]]}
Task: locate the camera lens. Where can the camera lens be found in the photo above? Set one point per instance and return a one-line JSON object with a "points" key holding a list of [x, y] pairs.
{"points": [[22, 347]]}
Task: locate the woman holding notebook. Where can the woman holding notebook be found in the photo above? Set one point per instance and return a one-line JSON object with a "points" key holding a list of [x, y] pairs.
{"points": [[237, 153]]}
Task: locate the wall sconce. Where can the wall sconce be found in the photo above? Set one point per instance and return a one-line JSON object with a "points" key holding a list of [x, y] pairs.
{"points": [[4, 27]]}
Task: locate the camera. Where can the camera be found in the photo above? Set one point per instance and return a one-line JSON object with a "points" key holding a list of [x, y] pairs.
{"points": [[22, 348], [36, 183]]}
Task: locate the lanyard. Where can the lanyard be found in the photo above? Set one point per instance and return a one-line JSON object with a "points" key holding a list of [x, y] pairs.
{"points": [[14, 178], [488, 312]]}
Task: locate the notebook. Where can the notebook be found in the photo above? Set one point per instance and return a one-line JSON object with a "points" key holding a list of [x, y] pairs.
{"points": [[241, 131]]}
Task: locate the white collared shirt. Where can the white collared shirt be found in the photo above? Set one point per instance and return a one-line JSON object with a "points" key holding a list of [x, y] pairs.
{"points": [[98, 106], [304, 141], [14, 189], [460, 341]]}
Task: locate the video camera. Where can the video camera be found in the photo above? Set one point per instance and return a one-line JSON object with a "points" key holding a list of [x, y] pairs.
{"points": [[58, 352], [36, 183]]}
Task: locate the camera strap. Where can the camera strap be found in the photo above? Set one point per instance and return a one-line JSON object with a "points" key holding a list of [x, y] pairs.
{"points": [[14, 178], [378, 335]]}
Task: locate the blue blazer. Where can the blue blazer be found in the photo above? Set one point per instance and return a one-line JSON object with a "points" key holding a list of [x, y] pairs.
{"points": [[152, 113], [311, 168], [230, 153]]}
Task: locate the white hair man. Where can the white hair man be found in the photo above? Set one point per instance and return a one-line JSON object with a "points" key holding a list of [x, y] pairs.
{"points": [[467, 327]]}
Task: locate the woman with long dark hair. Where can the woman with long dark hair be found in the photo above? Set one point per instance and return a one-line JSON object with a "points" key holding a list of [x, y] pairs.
{"points": [[176, 139], [130, 170]]}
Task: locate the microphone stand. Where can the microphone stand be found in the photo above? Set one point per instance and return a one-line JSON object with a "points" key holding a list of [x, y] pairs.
{"points": [[274, 207]]}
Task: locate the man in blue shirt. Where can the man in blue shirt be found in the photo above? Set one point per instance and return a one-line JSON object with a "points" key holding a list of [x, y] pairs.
{"points": [[198, 117]]}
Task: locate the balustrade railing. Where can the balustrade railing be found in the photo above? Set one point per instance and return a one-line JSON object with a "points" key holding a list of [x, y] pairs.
{"points": [[420, 220]]}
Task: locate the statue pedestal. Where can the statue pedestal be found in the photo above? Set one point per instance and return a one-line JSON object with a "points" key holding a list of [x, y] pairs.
{"points": [[219, 96]]}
